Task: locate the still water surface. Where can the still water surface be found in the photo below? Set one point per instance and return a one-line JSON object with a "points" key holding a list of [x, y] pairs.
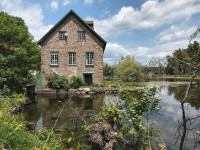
{"points": [[82, 109]]}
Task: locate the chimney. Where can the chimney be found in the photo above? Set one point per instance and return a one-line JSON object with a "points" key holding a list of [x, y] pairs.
{"points": [[90, 23]]}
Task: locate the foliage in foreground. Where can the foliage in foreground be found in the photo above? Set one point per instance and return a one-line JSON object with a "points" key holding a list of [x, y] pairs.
{"points": [[19, 55], [126, 117], [14, 134]]}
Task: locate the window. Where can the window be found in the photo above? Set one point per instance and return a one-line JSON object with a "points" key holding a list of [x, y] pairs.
{"points": [[72, 58], [73, 123], [81, 35], [90, 58], [62, 35], [54, 58]]}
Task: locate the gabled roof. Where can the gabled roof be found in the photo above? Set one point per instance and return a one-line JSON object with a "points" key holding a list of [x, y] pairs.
{"points": [[71, 12]]}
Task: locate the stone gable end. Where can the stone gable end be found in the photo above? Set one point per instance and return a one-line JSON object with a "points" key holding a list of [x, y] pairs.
{"points": [[62, 47]]}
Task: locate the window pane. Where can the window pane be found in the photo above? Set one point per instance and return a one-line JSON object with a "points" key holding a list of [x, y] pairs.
{"points": [[89, 58], [62, 35], [81, 35], [54, 58], [72, 58]]}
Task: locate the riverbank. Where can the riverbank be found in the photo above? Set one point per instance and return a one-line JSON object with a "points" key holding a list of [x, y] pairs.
{"points": [[177, 77], [84, 91]]}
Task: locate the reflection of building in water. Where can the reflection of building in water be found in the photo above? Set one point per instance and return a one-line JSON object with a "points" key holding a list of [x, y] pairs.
{"points": [[73, 123], [74, 115], [78, 110]]}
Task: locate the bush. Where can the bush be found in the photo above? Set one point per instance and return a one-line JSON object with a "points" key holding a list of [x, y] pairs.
{"points": [[57, 82], [13, 132], [76, 82], [126, 117]]}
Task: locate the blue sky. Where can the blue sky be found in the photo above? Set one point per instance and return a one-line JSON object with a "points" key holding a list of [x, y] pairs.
{"points": [[140, 28]]}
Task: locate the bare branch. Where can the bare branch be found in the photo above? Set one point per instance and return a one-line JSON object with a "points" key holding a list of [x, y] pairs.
{"points": [[51, 131], [82, 118], [188, 88], [193, 118], [194, 34], [186, 63]]}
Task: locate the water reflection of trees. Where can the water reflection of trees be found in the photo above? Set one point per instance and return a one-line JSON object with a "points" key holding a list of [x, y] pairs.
{"points": [[189, 123], [193, 96]]}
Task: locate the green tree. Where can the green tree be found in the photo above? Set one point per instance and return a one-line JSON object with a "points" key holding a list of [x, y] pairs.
{"points": [[108, 70], [193, 52], [19, 55], [157, 65], [177, 64], [129, 70]]}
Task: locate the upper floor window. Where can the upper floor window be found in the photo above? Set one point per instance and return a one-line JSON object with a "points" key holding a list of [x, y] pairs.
{"points": [[72, 58], [90, 58], [54, 58], [62, 35], [81, 35]]}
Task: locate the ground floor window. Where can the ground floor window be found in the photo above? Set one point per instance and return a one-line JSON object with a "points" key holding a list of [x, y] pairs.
{"points": [[54, 58], [72, 58], [89, 58]]}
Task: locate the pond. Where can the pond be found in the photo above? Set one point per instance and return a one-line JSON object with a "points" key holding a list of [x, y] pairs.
{"points": [[78, 110]]}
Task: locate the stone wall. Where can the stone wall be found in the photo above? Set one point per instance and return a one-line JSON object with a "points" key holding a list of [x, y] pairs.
{"points": [[91, 44]]}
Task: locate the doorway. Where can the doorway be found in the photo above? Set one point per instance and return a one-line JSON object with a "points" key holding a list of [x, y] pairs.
{"points": [[87, 77]]}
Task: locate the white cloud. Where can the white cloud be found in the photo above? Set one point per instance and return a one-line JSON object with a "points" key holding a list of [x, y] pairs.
{"points": [[31, 13], [151, 15], [114, 51], [54, 5], [88, 1], [66, 2], [176, 33], [165, 49]]}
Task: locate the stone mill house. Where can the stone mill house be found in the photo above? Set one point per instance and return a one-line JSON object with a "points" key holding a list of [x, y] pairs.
{"points": [[72, 47]]}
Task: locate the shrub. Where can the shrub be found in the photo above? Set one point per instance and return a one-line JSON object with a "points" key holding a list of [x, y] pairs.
{"points": [[13, 132], [57, 82], [126, 117], [76, 82]]}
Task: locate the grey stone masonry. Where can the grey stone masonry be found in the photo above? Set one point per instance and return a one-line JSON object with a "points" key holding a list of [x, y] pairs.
{"points": [[91, 44]]}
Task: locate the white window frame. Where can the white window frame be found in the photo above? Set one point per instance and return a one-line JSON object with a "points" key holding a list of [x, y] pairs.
{"points": [[54, 58], [62, 35], [89, 59], [73, 123], [72, 58], [81, 35]]}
